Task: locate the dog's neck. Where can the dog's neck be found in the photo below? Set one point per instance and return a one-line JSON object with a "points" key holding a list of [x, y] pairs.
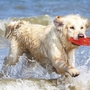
{"points": [[64, 41], [66, 44]]}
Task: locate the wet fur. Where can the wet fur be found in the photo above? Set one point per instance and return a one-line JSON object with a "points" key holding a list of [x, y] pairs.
{"points": [[46, 42]]}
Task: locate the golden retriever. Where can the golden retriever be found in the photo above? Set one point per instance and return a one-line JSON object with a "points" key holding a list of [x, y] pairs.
{"points": [[47, 42]]}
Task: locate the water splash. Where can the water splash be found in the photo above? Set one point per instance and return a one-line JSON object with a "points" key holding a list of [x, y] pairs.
{"points": [[29, 69]]}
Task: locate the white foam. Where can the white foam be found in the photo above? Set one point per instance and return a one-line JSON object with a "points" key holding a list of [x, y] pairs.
{"points": [[24, 70]]}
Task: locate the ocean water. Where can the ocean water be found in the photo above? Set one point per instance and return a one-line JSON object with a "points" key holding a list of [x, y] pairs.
{"points": [[28, 8], [42, 12]]}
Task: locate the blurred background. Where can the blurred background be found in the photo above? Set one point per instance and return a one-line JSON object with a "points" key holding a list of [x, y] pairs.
{"points": [[28, 8]]}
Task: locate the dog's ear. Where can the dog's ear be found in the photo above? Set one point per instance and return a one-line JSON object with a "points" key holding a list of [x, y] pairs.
{"points": [[58, 22], [87, 23]]}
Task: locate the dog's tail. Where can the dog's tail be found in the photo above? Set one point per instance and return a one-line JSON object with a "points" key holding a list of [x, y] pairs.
{"points": [[12, 27]]}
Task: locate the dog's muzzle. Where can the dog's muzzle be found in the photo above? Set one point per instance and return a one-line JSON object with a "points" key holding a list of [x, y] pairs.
{"points": [[80, 35]]}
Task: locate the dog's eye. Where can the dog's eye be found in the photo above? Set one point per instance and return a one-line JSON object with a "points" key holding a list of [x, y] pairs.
{"points": [[81, 27], [72, 27]]}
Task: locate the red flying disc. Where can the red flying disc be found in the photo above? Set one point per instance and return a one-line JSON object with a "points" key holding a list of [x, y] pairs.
{"points": [[81, 41]]}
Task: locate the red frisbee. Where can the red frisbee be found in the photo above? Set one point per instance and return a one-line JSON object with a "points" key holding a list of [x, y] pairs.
{"points": [[81, 41]]}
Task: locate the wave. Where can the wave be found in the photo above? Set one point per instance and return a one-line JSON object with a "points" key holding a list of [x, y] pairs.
{"points": [[32, 75], [44, 20]]}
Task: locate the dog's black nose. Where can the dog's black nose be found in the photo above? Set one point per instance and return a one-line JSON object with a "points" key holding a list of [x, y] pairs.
{"points": [[80, 35]]}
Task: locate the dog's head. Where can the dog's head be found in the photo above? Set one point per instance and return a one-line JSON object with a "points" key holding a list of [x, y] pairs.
{"points": [[71, 26]]}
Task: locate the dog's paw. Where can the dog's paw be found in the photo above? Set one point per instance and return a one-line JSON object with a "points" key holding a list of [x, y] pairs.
{"points": [[73, 72]]}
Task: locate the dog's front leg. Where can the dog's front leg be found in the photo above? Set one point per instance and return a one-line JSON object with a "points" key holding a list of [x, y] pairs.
{"points": [[62, 65], [71, 62], [71, 57]]}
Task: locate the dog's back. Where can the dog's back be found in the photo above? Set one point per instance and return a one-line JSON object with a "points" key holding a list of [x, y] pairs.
{"points": [[12, 26], [27, 35]]}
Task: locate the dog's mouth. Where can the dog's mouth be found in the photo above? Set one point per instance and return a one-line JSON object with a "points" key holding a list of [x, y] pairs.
{"points": [[75, 44]]}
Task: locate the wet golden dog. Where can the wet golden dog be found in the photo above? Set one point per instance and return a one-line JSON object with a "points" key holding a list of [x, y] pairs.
{"points": [[47, 42]]}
